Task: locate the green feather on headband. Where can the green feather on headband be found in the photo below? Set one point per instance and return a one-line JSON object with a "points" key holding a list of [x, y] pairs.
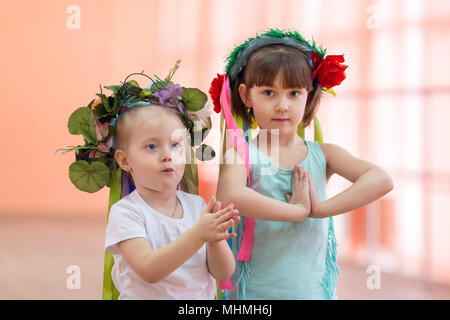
{"points": [[274, 34]]}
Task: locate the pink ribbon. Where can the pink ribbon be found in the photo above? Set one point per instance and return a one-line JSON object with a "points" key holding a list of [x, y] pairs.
{"points": [[226, 285], [241, 145]]}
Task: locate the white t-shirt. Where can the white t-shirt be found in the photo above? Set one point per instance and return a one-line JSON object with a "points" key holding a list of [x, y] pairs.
{"points": [[132, 217]]}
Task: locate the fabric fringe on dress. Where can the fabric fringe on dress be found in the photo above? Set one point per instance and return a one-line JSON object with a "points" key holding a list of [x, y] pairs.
{"points": [[330, 278]]}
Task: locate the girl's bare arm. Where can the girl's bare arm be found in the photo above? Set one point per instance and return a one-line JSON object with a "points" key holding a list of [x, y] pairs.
{"points": [[370, 183], [154, 265], [232, 188]]}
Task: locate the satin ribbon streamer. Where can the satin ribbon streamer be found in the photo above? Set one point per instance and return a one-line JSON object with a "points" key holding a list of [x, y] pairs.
{"points": [[242, 148]]}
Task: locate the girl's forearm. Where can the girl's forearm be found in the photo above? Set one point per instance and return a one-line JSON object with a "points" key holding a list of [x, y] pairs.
{"points": [[162, 262], [255, 205], [220, 260], [371, 186]]}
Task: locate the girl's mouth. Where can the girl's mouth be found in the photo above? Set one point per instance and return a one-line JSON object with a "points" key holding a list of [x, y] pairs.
{"points": [[281, 120]]}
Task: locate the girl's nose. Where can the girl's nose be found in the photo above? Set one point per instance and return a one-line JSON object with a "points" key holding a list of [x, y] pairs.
{"points": [[166, 158], [166, 155], [281, 107]]}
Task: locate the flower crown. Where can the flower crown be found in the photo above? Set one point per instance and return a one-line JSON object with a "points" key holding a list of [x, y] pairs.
{"points": [[328, 71], [94, 161]]}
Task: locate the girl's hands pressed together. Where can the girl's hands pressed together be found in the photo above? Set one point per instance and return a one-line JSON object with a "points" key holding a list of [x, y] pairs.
{"points": [[314, 199], [300, 189], [214, 222]]}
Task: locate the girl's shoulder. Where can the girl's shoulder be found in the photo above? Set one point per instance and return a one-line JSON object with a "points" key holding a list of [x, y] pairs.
{"points": [[130, 201], [331, 150], [342, 162], [324, 147], [128, 206]]}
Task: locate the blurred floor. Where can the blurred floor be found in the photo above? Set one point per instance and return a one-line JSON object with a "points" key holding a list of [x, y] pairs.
{"points": [[36, 252]]}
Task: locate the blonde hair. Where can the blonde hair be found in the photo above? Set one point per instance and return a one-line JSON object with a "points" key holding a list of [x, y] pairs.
{"points": [[142, 113]]}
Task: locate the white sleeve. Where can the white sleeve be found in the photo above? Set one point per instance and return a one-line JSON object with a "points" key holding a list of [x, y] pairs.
{"points": [[200, 207], [125, 222]]}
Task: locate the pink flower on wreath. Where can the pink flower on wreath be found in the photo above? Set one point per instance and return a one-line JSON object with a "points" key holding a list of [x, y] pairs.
{"points": [[94, 154], [123, 109], [102, 147], [101, 129]]}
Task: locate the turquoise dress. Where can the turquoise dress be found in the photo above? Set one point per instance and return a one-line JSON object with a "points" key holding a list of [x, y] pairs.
{"points": [[289, 260]]}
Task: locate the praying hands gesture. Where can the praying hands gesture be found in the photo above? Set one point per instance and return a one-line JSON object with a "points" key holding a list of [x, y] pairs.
{"points": [[303, 191]]}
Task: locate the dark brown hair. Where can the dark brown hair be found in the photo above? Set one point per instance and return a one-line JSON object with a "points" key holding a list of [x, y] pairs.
{"points": [[264, 66]]}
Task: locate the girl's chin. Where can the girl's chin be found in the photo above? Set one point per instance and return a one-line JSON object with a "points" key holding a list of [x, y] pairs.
{"points": [[281, 131], [164, 185]]}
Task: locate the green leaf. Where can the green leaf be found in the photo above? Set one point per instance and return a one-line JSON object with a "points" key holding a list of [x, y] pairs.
{"points": [[91, 104], [104, 101], [126, 86], [115, 104], [89, 177], [145, 93], [158, 85], [100, 111], [133, 91], [172, 71], [194, 99], [114, 89], [82, 122], [134, 83]]}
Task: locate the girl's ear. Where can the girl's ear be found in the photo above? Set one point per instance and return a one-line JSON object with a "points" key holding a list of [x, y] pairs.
{"points": [[243, 93], [122, 160]]}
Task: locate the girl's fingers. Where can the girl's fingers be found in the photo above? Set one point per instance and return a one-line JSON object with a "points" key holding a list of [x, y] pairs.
{"points": [[306, 179], [226, 225], [210, 204], [222, 211], [294, 180], [226, 236], [231, 235], [228, 215], [302, 173], [217, 207], [288, 197]]}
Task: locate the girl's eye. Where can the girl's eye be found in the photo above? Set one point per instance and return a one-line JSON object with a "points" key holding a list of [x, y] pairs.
{"points": [[296, 93], [176, 145], [268, 93], [151, 147]]}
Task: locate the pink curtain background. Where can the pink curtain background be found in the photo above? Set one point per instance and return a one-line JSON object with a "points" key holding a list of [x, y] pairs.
{"points": [[393, 109]]}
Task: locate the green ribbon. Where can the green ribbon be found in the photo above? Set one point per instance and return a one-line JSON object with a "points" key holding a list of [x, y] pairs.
{"points": [[318, 135], [110, 292]]}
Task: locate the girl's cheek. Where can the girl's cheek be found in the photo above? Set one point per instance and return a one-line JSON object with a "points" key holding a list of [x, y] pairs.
{"points": [[180, 170], [179, 157]]}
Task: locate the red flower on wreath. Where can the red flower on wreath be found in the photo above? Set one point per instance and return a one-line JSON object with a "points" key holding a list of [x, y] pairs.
{"points": [[330, 71], [215, 90]]}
